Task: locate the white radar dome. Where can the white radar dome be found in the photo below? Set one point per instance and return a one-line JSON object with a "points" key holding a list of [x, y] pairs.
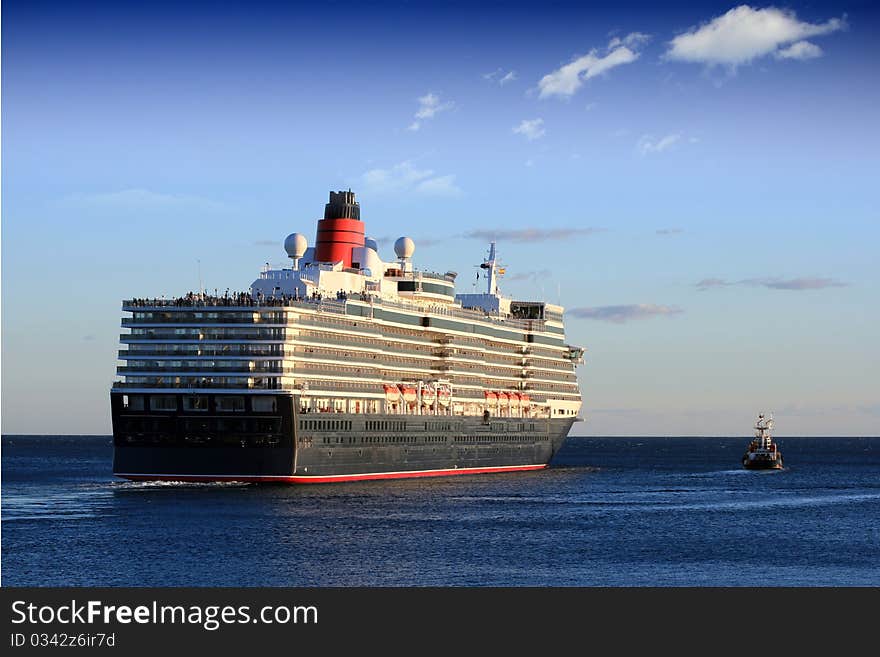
{"points": [[296, 245], [404, 247], [370, 243]]}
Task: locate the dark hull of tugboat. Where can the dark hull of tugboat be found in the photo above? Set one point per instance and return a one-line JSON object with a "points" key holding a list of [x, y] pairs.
{"points": [[289, 447], [774, 463]]}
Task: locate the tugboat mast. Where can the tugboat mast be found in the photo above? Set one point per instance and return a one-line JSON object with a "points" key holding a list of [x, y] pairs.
{"points": [[762, 431]]}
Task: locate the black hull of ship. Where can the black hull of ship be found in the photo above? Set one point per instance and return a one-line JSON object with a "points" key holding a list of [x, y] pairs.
{"points": [[288, 447], [762, 464]]}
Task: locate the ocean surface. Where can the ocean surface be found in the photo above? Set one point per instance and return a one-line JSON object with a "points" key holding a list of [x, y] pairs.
{"points": [[608, 512]]}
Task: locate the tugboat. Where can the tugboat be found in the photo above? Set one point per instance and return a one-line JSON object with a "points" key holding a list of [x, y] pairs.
{"points": [[762, 453]]}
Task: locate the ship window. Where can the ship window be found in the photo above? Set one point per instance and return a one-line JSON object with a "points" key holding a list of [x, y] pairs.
{"points": [[133, 402], [195, 403], [264, 404], [230, 403], [163, 403]]}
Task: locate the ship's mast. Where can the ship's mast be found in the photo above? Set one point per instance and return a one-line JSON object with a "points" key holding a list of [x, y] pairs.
{"points": [[490, 264]]}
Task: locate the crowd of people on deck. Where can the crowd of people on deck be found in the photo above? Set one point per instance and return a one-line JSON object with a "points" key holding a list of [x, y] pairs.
{"points": [[239, 299]]}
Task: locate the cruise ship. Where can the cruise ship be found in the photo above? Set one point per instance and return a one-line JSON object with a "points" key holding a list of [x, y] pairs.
{"points": [[342, 367]]}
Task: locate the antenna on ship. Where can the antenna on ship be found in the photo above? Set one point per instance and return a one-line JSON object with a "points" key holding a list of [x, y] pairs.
{"points": [[199, 265], [490, 265]]}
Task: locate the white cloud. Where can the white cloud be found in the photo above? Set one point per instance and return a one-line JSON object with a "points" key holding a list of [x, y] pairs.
{"points": [[499, 76], [530, 234], [438, 186], [531, 128], [429, 105], [565, 81], [632, 40], [509, 77], [647, 144], [744, 34], [405, 178], [799, 50], [138, 198]]}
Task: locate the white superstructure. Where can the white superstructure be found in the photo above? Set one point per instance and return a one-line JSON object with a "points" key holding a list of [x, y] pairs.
{"points": [[360, 336]]}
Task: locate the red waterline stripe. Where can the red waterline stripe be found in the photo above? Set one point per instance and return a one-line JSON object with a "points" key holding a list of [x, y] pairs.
{"points": [[328, 479]]}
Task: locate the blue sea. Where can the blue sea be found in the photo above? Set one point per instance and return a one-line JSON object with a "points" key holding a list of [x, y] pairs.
{"points": [[608, 512]]}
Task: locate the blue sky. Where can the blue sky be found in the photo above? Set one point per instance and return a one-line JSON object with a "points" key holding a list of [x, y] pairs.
{"points": [[697, 185]]}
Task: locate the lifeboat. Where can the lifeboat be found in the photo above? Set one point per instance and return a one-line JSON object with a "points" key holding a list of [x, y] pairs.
{"points": [[514, 399], [444, 395], [409, 394], [392, 394], [524, 401], [428, 395], [491, 398], [503, 401]]}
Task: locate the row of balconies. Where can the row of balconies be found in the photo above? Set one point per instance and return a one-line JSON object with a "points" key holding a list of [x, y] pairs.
{"points": [[369, 361], [274, 335], [132, 321], [204, 351], [478, 381], [372, 363], [213, 370], [201, 382]]}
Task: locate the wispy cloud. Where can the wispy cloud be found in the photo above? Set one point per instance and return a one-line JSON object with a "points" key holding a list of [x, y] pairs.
{"points": [[429, 106], [621, 314], [648, 144], [500, 77], [744, 34], [566, 80], [133, 199], [531, 129], [438, 186], [530, 234], [632, 40], [796, 284], [668, 232], [419, 241], [406, 178], [529, 275]]}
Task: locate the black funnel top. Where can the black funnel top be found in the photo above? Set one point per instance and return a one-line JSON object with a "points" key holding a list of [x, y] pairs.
{"points": [[342, 206]]}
